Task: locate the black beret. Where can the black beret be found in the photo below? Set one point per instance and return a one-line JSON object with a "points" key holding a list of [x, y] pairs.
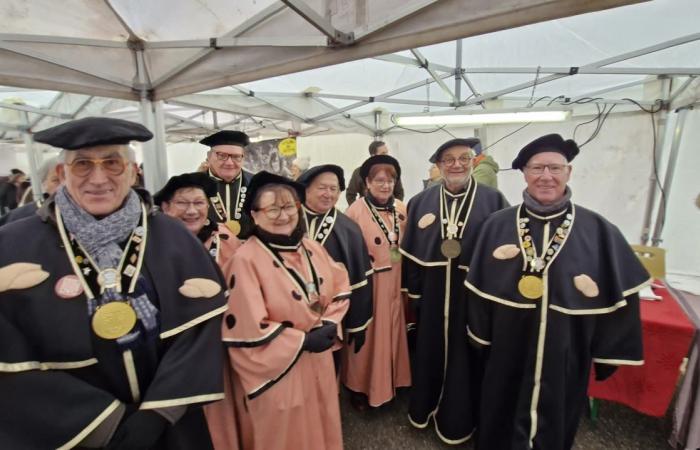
{"points": [[548, 143], [263, 178], [226, 137], [186, 180], [472, 143], [93, 131], [379, 159], [308, 176]]}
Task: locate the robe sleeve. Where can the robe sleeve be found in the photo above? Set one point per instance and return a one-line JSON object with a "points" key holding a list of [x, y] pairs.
{"points": [[189, 367], [618, 339], [411, 272], [42, 406], [340, 303], [479, 320], [261, 350]]}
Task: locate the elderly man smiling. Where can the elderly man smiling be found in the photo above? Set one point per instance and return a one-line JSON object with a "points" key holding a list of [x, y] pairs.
{"points": [[552, 287], [108, 310], [443, 223]]}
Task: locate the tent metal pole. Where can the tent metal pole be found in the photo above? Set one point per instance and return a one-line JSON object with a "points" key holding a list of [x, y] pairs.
{"points": [[160, 144], [319, 22], [150, 161], [249, 24], [33, 164], [668, 178], [458, 70], [424, 64]]}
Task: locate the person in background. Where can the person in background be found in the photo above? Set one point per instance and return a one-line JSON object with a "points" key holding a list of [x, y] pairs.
{"points": [[342, 238], [112, 309], [434, 177], [9, 191], [485, 168], [442, 226], [49, 184], [299, 166], [553, 287], [186, 198], [356, 186], [288, 298], [382, 365], [225, 167]]}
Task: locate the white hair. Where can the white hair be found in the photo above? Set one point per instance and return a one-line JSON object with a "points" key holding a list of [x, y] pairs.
{"points": [[302, 162]]}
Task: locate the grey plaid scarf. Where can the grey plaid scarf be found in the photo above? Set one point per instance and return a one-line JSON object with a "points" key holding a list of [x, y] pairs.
{"points": [[100, 238]]}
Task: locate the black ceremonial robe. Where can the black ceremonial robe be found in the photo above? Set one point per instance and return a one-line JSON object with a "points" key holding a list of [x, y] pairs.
{"points": [[27, 210], [59, 381], [539, 352], [445, 373], [229, 201], [342, 238]]}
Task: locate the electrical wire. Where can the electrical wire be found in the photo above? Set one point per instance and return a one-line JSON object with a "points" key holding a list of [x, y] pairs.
{"points": [[440, 128], [506, 136], [662, 205]]}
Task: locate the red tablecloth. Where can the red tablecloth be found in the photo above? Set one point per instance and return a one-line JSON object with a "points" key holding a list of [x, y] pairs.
{"points": [[667, 334]]}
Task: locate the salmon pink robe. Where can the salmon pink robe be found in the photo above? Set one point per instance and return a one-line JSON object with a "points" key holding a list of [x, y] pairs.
{"points": [[285, 397], [382, 364]]}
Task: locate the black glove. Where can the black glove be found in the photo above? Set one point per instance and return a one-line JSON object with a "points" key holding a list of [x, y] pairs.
{"points": [[359, 338], [140, 431], [320, 339]]}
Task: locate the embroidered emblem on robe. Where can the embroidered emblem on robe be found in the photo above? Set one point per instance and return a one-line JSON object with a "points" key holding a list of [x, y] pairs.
{"points": [[199, 288], [586, 285], [426, 220], [21, 276], [506, 251]]}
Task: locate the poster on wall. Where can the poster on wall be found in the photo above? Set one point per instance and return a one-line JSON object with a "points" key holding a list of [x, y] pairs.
{"points": [[273, 155]]}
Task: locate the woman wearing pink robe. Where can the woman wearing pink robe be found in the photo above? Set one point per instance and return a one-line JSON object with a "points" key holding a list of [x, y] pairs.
{"points": [[186, 198], [287, 298], [382, 364]]}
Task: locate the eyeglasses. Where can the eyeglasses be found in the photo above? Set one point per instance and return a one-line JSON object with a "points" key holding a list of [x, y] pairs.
{"points": [[220, 156], [273, 212], [184, 206], [554, 169], [84, 166], [378, 182], [463, 160]]}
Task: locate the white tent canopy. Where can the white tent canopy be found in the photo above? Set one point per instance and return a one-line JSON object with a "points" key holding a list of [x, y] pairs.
{"points": [[188, 68]]}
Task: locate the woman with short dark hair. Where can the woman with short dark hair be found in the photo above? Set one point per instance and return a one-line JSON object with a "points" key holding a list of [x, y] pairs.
{"points": [[286, 303]]}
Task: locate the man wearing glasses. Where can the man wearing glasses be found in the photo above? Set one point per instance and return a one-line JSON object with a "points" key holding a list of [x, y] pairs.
{"points": [[443, 223], [225, 161], [109, 311], [343, 240], [552, 287]]}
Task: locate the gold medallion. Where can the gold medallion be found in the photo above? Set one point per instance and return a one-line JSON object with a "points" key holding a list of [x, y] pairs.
{"points": [[395, 255], [234, 226], [451, 248], [113, 320], [531, 287]]}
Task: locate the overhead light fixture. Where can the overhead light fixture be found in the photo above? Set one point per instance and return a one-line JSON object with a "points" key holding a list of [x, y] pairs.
{"points": [[482, 117]]}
